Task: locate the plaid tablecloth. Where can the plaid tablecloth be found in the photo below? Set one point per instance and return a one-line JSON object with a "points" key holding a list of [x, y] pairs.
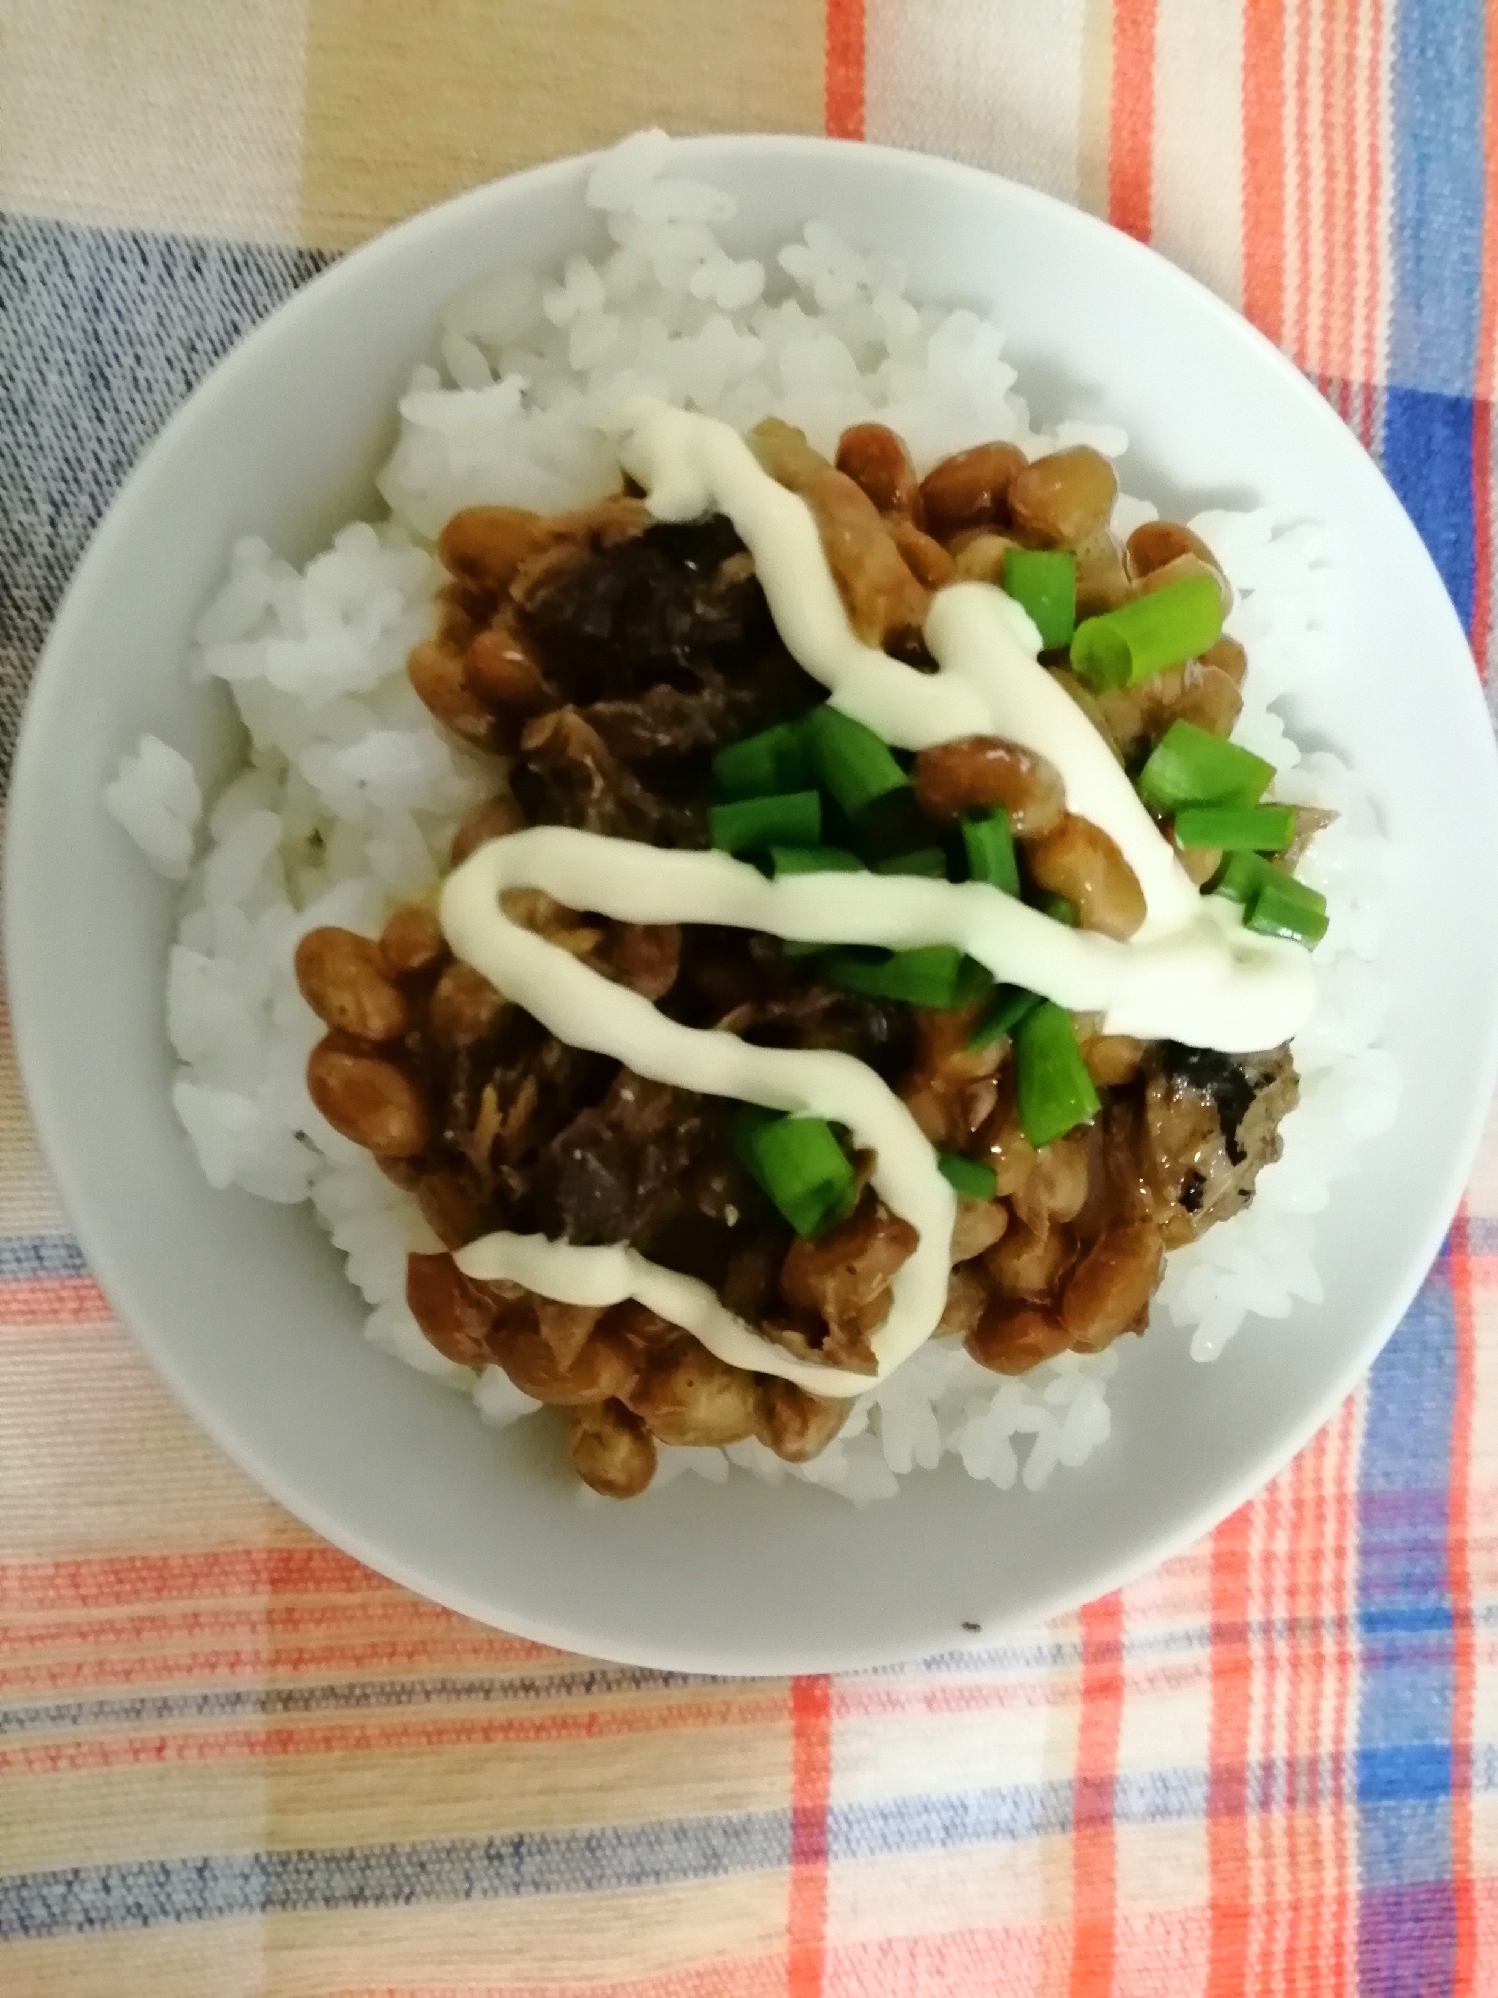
{"points": [[234, 1762]]}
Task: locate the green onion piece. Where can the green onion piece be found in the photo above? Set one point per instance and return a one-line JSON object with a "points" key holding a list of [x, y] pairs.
{"points": [[813, 860], [774, 760], [989, 845], [1285, 907], [1190, 766], [972, 1179], [1255, 828], [1242, 878], [1010, 1005], [744, 1126], [892, 825], [1054, 1089], [1127, 645], [850, 761], [936, 975], [792, 819], [928, 861], [805, 1171], [1060, 909], [1043, 581]]}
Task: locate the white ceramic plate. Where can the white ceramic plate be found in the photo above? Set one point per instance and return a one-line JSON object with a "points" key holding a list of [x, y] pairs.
{"points": [[242, 1306]]}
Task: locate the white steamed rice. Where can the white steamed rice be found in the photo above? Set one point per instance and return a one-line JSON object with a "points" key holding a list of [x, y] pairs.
{"points": [[351, 792]]}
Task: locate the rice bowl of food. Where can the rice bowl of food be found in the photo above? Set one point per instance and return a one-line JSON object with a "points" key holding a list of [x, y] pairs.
{"points": [[808, 841]]}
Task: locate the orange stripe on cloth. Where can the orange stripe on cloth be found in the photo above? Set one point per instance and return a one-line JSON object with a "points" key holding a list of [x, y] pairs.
{"points": [[845, 65], [1227, 1830], [1264, 165], [54, 1300], [1338, 85], [1131, 118], [1094, 1858], [1459, 1585], [811, 1785], [1487, 365], [1295, 336], [1343, 1533], [1381, 63], [756, 1977], [1482, 514], [113, 1580], [387, 1654], [254, 1744]]}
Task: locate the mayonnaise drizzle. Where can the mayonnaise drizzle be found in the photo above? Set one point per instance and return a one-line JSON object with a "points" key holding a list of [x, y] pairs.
{"points": [[1192, 973]]}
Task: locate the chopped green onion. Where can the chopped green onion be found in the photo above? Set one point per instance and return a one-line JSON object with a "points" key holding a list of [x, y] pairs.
{"points": [[892, 825], [774, 760], [850, 761], [1190, 766], [1055, 1091], [928, 861], [1285, 907], [1242, 878], [794, 818], [744, 1125], [972, 1179], [1043, 581], [1127, 645], [1231, 828], [1274, 903], [1059, 908], [802, 1167], [989, 845], [813, 860], [935, 975], [1010, 1005]]}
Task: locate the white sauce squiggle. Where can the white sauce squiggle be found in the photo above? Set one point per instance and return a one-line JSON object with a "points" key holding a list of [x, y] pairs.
{"points": [[1192, 973]]}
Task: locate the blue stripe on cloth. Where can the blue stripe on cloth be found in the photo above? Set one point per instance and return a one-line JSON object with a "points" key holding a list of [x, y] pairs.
{"points": [[1406, 1925], [26, 1257], [102, 333], [1437, 101], [138, 1893], [1427, 458]]}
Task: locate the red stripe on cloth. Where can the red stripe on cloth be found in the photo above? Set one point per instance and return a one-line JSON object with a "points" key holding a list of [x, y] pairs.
{"points": [[53, 1300], [1459, 1584], [1227, 1799], [1094, 1857], [811, 1785], [844, 69], [1131, 118], [1264, 165]]}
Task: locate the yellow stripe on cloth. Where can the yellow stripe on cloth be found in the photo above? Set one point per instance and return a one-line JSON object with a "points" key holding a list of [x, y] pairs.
{"points": [[153, 114], [997, 84], [448, 1949], [407, 104]]}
